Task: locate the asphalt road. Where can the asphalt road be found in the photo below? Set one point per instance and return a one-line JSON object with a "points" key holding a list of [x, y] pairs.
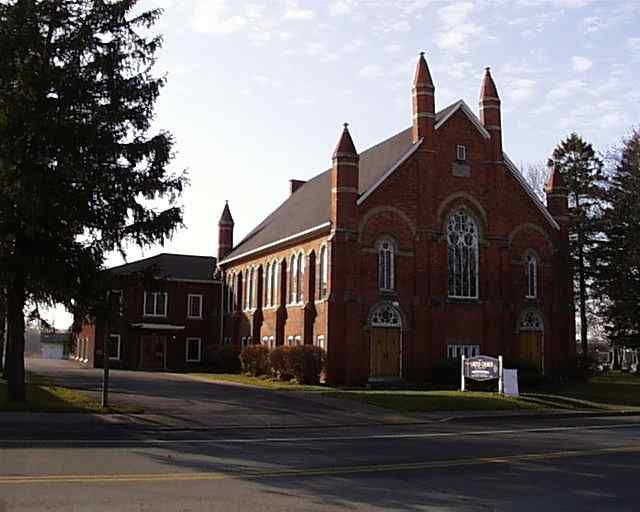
{"points": [[249, 458], [563, 464]]}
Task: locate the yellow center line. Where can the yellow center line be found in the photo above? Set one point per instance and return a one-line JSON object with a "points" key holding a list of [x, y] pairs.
{"points": [[323, 471]]}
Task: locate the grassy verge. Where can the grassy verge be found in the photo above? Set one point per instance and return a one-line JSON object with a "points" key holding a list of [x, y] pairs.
{"points": [[430, 401], [42, 396], [616, 389], [261, 382]]}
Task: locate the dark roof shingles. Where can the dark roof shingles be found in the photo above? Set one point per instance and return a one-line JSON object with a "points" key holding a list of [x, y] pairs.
{"points": [[171, 266]]}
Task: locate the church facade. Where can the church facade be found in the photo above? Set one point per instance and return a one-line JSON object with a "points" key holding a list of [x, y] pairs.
{"points": [[424, 247]]}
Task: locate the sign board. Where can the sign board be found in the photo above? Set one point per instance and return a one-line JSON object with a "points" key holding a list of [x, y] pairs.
{"points": [[481, 368], [510, 382]]}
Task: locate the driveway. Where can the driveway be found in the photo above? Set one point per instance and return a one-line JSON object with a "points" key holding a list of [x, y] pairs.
{"points": [[181, 401]]}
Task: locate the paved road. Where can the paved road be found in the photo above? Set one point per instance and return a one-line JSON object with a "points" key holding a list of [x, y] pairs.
{"points": [[562, 464], [181, 401]]}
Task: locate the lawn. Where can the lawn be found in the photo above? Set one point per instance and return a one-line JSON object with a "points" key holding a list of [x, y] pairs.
{"points": [[43, 396], [261, 382], [616, 389], [429, 401]]}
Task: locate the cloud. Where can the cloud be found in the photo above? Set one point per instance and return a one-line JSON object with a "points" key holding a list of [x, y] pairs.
{"points": [[457, 29], [634, 46], [581, 64], [210, 16], [565, 90], [521, 89], [341, 7], [392, 48], [294, 12], [371, 71], [593, 24]]}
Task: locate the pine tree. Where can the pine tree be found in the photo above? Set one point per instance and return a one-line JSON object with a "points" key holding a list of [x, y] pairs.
{"points": [[619, 254], [80, 167], [582, 172]]}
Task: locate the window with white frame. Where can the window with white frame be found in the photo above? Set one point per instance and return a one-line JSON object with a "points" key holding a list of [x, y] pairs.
{"points": [[273, 283], [320, 342], [461, 152], [230, 294], [267, 284], [292, 280], [194, 350], [227, 340], [291, 340], [462, 240], [298, 340], [456, 351], [155, 303], [114, 347], [265, 340], [116, 301], [323, 272], [300, 278], [194, 305], [532, 276], [246, 289], [386, 264], [251, 288], [272, 342]]}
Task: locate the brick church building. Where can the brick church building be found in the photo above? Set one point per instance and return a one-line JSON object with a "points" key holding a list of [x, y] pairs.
{"points": [[423, 247]]}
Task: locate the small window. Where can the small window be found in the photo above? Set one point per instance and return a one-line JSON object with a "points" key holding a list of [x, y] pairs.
{"points": [[386, 265], [320, 342], [461, 152], [194, 350], [265, 340], [323, 272], [272, 342], [298, 340], [456, 351], [194, 308], [300, 279], [290, 340], [116, 302], [155, 303], [532, 276], [227, 341], [114, 347], [292, 280]]}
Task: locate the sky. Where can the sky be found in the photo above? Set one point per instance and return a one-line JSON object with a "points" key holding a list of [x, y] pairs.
{"points": [[257, 91]]}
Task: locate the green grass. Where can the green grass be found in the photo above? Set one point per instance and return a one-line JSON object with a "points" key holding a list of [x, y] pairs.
{"points": [[615, 389], [42, 396], [262, 382], [430, 401]]}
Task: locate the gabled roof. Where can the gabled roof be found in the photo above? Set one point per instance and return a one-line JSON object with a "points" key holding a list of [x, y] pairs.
{"points": [[171, 266], [308, 209]]}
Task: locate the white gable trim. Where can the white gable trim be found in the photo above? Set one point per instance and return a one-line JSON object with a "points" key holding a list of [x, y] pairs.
{"points": [[381, 180], [461, 105], [516, 174], [271, 245]]}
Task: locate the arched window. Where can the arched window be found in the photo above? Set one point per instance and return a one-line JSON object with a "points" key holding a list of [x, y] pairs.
{"points": [[532, 276], [386, 264], [272, 283], [323, 272], [251, 288], [531, 320], [230, 294], [292, 280], [265, 286], [299, 278], [462, 239]]}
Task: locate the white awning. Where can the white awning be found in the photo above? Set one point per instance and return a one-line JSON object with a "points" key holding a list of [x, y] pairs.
{"points": [[159, 327]]}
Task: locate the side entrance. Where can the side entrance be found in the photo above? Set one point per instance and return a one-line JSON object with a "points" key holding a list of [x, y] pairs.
{"points": [[153, 352], [530, 339], [385, 347]]}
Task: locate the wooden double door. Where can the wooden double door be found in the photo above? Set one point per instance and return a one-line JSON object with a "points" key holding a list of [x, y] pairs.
{"points": [[530, 347], [153, 352], [385, 352]]}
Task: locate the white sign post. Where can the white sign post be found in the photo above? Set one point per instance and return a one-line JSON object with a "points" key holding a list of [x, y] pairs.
{"points": [[500, 376], [462, 373]]}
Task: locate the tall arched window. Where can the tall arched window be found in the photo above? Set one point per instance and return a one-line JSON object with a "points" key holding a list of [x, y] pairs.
{"points": [[462, 239], [386, 264], [272, 283], [299, 278], [292, 280], [265, 286], [230, 294], [323, 272], [532, 276], [251, 288]]}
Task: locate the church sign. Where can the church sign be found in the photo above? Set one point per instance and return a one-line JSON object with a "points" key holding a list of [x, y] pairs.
{"points": [[481, 368]]}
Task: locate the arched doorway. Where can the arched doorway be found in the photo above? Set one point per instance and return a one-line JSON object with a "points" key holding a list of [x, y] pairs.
{"points": [[530, 338], [385, 347]]}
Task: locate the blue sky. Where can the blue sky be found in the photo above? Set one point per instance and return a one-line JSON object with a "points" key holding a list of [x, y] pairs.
{"points": [[257, 91]]}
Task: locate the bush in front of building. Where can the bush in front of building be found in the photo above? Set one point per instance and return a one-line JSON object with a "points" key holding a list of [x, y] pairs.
{"points": [[225, 359], [304, 363], [255, 360], [446, 372]]}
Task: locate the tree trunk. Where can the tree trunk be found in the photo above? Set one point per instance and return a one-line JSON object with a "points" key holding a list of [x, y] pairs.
{"points": [[3, 316], [15, 336]]}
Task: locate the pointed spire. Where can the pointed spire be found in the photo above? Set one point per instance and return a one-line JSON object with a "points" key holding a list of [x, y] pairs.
{"points": [[555, 183], [423, 76], [345, 147], [226, 217], [488, 89]]}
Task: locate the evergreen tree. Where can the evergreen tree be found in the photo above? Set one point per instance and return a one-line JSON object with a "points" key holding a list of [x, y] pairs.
{"points": [[582, 172], [619, 254], [80, 167]]}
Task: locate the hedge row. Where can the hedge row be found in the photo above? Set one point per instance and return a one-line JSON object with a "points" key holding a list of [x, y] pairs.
{"points": [[304, 363]]}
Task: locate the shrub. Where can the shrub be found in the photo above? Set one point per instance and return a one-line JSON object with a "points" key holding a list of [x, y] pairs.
{"points": [[446, 372], [529, 374], [225, 359], [305, 363], [255, 360]]}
